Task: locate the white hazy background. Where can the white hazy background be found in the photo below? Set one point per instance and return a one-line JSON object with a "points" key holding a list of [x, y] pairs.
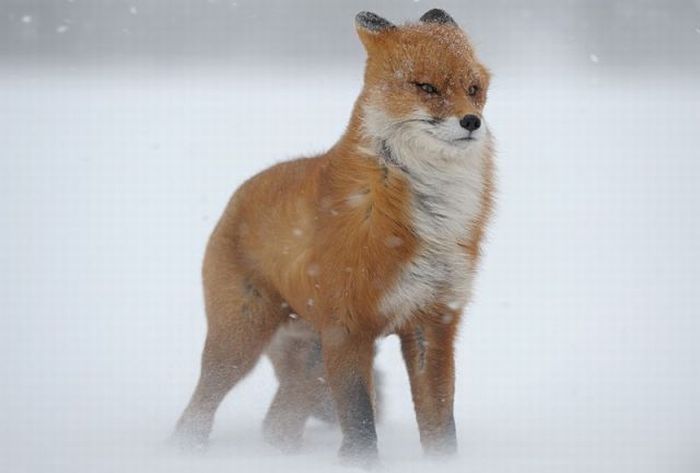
{"points": [[126, 125]]}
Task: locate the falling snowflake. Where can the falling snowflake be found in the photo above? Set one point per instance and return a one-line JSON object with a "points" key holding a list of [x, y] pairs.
{"points": [[313, 270], [594, 59], [61, 29], [393, 241], [454, 305], [27, 19], [355, 200]]}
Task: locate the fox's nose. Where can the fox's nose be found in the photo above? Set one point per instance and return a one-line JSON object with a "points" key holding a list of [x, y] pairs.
{"points": [[470, 122]]}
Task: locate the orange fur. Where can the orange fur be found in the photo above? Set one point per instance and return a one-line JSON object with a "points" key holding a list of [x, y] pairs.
{"points": [[326, 238]]}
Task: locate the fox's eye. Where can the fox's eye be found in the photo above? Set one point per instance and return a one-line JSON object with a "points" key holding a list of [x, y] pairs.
{"points": [[473, 90], [428, 88]]}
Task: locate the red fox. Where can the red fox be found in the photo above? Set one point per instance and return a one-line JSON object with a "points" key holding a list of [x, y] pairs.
{"points": [[380, 235]]}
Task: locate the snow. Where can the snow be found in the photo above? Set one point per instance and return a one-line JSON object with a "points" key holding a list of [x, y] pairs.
{"points": [[393, 242], [594, 58], [578, 354]]}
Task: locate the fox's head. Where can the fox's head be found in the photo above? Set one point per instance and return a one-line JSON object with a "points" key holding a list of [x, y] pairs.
{"points": [[423, 83]]}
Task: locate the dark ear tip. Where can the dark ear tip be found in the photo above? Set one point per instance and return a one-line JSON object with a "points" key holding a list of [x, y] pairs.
{"points": [[372, 21], [437, 15]]}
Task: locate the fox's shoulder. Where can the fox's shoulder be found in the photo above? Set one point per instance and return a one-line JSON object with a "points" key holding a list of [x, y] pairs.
{"points": [[271, 187], [288, 172]]}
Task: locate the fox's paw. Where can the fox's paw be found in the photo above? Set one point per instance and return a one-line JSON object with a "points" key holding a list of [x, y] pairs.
{"points": [[359, 456], [188, 441], [284, 439]]}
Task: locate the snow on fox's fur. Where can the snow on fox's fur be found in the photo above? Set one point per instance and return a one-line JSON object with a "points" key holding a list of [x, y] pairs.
{"points": [[379, 235]]}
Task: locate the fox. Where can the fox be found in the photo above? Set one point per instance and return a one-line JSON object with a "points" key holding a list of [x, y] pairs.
{"points": [[317, 258]]}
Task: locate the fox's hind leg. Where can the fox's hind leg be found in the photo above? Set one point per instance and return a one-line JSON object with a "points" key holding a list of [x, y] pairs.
{"points": [[295, 353], [303, 392], [242, 317]]}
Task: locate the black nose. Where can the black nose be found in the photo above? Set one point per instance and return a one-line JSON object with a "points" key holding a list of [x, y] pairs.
{"points": [[470, 122]]}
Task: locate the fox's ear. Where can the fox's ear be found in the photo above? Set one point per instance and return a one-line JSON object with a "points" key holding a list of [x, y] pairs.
{"points": [[438, 16], [372, 22], [370, 26]]}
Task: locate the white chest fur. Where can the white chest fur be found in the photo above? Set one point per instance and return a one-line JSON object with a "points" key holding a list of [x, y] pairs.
{"points": [[447, 186]]}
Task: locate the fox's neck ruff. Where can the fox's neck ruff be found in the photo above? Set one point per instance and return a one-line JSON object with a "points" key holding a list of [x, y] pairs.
{"points": [[446, 179], [447, 185], [385, 155]]}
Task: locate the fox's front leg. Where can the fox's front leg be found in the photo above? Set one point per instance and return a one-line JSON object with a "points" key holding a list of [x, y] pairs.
{"points": [[428, 350], [348, 359]]}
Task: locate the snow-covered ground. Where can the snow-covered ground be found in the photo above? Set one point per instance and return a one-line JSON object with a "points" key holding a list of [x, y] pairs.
{"points": [[579, 354]]}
